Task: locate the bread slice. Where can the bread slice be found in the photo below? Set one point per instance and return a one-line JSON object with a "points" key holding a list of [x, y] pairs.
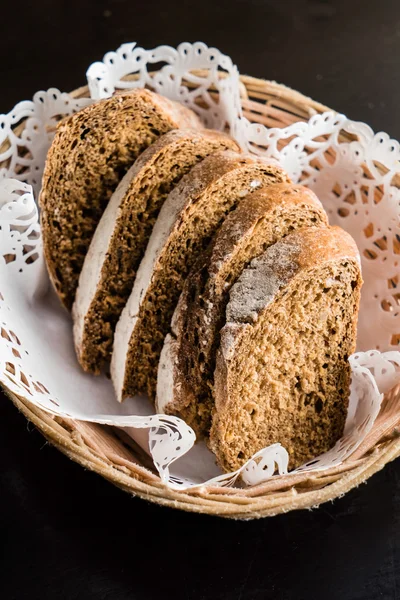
{"points": [[282, 371], [259, 221], [121, 237], [90, 154], [187, 221]]}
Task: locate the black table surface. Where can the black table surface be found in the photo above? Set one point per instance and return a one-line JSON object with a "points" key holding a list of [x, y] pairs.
{"points": [[65, 533]]}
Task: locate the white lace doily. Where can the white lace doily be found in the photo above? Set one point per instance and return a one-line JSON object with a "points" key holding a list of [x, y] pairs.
{"points": [[352, 170]]}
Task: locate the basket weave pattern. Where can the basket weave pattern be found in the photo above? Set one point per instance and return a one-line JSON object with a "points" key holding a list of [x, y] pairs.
{"points": [[116, 457]]}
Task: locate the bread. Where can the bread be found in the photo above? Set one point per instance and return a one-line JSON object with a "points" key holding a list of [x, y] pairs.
{"points": [[187, 221], [282, 371], [259, 221], [90, 154], [121, 237]]}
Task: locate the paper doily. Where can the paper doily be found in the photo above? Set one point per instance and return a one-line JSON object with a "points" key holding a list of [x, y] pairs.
{"points": [[352, 170]]}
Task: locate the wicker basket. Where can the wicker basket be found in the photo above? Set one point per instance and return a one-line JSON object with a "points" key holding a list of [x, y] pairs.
{"points": [[118, 459]]}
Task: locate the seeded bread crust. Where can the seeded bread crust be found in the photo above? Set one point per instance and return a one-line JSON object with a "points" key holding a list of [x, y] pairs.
{"points": [[90, 154], [259, 221], [121, 236], [187, 221], [282, 371]]}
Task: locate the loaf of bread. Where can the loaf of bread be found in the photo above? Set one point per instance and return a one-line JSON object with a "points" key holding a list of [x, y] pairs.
{"points": [[160, 219], [282, 371], [122, 234], [90, 153], [185, 374], [187, 221]]}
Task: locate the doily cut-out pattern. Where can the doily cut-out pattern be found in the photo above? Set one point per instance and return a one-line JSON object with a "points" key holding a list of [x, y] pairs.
{"points": [[354, 172], [189, 74], [20, 237], [384, 367], [27, 131]]}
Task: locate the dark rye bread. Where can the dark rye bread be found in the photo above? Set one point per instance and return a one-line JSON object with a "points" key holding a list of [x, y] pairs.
{"points": [[122, 234], [90, 154], [259, 221], [187, 221], [282, 371]]}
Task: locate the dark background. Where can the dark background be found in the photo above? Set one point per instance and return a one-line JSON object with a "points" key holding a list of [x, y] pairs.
{"points": [[67, 534]]}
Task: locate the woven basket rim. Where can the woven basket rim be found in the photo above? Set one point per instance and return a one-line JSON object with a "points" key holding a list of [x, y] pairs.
{"points": [[66, 435]]}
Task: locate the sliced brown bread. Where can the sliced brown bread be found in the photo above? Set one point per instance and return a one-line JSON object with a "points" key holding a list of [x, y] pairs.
{"points": [[122, 234], [282, 371], [259, 221], [187, 221], [90, 154]]}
